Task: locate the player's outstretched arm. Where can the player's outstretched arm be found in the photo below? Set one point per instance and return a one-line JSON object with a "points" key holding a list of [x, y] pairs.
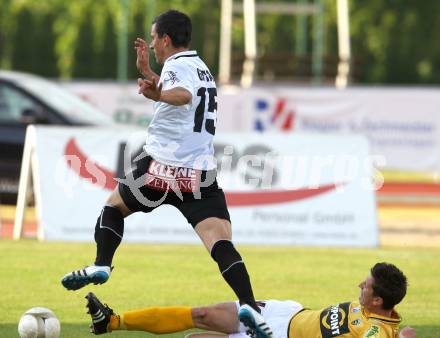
{"points": [[407, 332], [143, 61]]}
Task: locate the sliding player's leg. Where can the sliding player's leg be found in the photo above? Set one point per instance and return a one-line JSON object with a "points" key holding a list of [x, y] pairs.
{"points": [[159, 320]]}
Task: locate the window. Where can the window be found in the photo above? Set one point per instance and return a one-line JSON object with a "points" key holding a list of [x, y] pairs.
{"points": [[14, 104]]}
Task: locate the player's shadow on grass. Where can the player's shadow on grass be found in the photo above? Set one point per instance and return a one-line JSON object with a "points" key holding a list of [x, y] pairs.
{"points": [[82, 331]]}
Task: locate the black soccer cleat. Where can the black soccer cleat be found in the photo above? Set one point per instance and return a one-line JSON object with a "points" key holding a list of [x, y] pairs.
{"points": [[100, 314]]}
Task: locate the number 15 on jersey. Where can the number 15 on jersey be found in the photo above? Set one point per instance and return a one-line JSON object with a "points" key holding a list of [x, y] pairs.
{"points": [[199, 115]]}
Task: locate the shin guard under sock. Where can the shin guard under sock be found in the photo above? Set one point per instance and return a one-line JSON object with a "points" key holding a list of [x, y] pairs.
{"points": [[234, 271], [109, 230]]}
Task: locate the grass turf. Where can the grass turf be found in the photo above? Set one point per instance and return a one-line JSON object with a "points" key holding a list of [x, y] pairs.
{"points": [[144, 275]]}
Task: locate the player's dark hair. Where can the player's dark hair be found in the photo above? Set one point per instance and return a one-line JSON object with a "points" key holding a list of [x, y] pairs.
{"points": [[176, 25], [389, 283]]}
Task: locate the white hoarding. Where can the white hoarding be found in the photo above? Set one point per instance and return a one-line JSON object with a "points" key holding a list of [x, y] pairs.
{"points": [[281, 189], [401, 124]]}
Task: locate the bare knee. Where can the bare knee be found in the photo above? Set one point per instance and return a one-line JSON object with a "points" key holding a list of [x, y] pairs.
{"points": [[115, 200], [212, 229], [200, 316], [219, 317], [205, 335]]}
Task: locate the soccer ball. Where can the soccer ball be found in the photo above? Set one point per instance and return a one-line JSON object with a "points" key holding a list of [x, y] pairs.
{"points": [[39, 322]]}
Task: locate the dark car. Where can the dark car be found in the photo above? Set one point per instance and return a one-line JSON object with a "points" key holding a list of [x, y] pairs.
{"points": [[27, 99]]}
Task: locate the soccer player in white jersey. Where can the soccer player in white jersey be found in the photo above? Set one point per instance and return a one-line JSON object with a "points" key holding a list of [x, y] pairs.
{"points": [[177, 166]]}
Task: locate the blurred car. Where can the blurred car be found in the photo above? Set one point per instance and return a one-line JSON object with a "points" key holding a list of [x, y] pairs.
{"points": [[28, 99]]}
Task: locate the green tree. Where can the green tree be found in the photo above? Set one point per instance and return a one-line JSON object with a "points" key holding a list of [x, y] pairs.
{"points": [[106, 54], [393, 42], [84, 65]]}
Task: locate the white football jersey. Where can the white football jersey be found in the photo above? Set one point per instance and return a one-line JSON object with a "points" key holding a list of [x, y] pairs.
{"points": [[183, 135]]}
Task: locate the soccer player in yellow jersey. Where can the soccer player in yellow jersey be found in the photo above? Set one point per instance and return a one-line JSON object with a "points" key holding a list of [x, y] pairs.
{"points": [[372, 316]]}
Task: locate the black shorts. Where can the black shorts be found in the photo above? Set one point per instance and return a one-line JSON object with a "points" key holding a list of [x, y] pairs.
{"points": [[210, 202]]}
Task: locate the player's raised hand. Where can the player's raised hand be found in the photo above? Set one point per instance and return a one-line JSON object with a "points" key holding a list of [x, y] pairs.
{"points": [[150, 89], [142, 56]]}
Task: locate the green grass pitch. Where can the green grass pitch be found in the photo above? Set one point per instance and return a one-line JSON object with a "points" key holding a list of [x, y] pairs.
{"points": [[144, 275]]}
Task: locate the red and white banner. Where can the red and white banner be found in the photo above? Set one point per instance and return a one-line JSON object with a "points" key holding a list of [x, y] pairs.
{"points": [[281, 189], [401, 124]]}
